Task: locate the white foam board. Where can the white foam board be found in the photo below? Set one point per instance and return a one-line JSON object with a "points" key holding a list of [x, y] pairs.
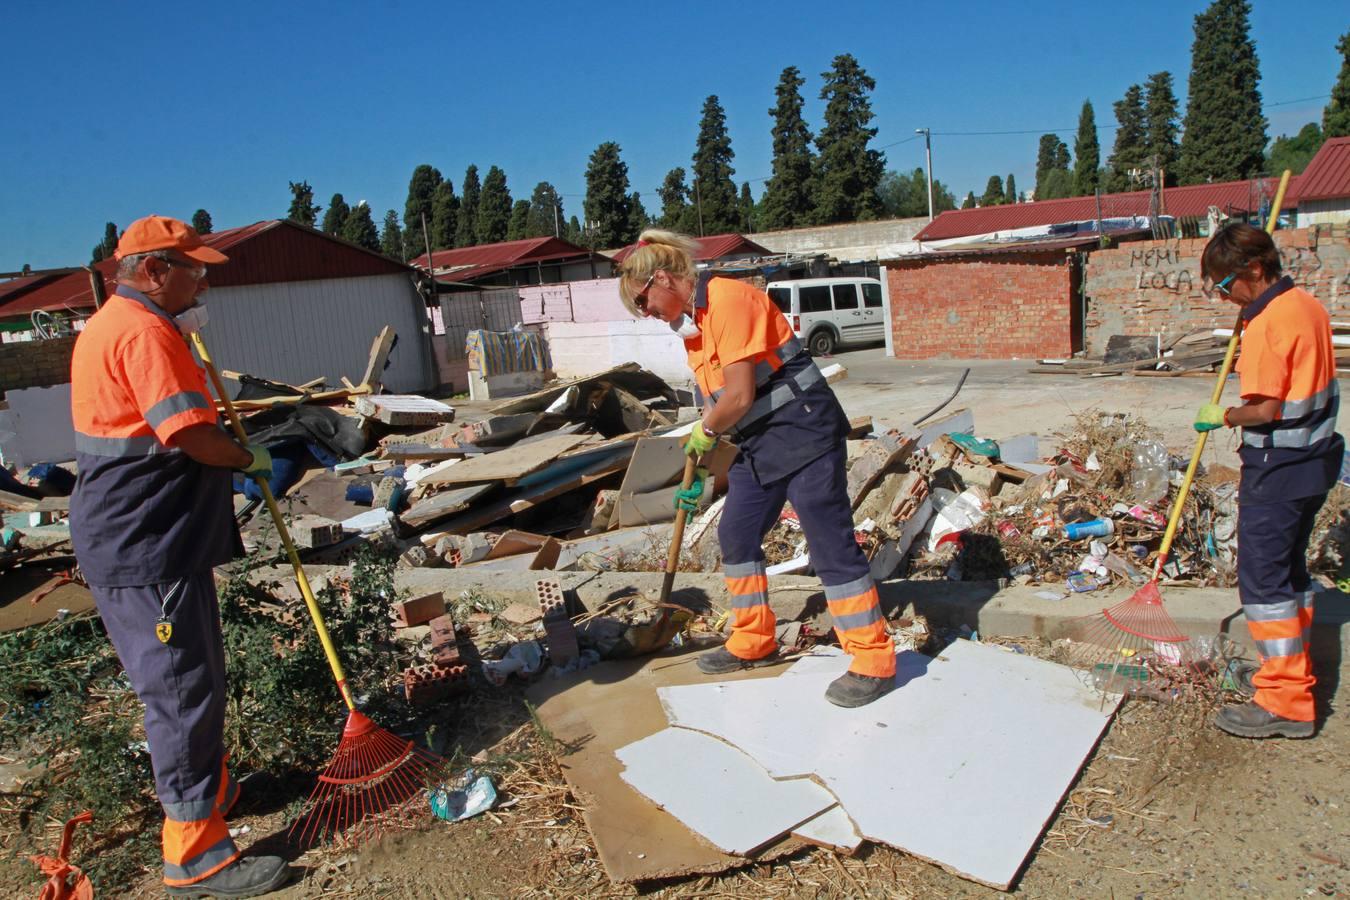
{"points": [[832, 828], [718, 791], [962, 764]]}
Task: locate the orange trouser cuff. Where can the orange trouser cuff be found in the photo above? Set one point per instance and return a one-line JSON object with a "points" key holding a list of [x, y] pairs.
{"points": [[752, 621], [861, 628]]}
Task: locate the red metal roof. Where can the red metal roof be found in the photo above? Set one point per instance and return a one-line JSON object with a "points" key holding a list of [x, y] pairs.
{"points": [[1194, 200], [268, 252], [16, 286], [711, 247], [471, 263], [1328, 175]]}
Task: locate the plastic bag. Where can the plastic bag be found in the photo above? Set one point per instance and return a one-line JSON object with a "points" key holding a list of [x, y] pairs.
{"points": [[1148, 477]]}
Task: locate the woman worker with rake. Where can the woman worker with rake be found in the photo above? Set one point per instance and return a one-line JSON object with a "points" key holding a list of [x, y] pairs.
{"points": [[1291, 455], [764, 392]]}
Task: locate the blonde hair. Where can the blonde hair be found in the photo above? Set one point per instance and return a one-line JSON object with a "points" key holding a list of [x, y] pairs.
{"points": [[656, 250]]}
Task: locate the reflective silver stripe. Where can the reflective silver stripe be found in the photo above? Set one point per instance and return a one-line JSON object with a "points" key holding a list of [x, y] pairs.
{"points": [[743, 570], [779, 395], [749, 601], [140, 445], [204, 862], [858, 620], [1290, 438], [1280, 647], [764, 369], [852, 589], [1305, 599], [1293, 409], [174, 404], [189, 811], [1270, 612]]}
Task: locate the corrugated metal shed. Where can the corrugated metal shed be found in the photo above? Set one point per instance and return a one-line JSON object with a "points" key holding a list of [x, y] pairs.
{"points": [[1193, 200], [1328, 175], [713, 247], [472, 263]]}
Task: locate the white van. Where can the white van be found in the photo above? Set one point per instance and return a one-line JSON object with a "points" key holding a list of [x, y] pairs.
{"points": [[832, 312]]}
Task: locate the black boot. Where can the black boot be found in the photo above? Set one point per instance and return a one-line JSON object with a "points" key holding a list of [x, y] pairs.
{"points": [[1251, 721], [852, 690], [721, 661], [248, 876]]}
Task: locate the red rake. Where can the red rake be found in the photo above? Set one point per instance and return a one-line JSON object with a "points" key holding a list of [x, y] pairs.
{"points": [[376, 780]]}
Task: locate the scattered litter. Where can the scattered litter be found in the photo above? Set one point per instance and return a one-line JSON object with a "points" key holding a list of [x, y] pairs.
{"points": [[476, 795]]}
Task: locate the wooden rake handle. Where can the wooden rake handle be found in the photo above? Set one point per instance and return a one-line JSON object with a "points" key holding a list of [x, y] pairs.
{"points": [[677, 535]]}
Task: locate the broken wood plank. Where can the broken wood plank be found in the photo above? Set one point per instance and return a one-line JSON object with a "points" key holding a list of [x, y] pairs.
{"points": [[285, 400], [402, 410], [379, 358], [16, 502], [522, 460], [428, 512]]}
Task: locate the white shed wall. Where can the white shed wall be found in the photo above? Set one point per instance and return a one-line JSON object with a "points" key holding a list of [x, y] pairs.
{"points": [[1323, 212], [584, 348], [299, 330]]}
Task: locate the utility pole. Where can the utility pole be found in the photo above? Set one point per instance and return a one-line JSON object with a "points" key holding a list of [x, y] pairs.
{"points": [[928, 149], [698, 201]]}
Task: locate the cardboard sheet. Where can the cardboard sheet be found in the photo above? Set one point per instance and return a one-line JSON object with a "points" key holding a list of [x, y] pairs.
{"points": [[963, 764]]}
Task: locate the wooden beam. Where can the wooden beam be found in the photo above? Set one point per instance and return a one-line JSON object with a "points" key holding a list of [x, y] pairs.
{"points": [[379, 358]]}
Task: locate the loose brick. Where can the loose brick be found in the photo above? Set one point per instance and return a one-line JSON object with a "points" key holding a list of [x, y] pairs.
{"points": [[420, 610]]}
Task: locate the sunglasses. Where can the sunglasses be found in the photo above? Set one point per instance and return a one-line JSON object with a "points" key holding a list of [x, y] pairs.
{"points": [[1224, 287], [640, 298]]}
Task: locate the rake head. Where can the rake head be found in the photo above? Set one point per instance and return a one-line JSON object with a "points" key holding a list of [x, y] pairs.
{"points": [[1121, 646], [375, 782]]}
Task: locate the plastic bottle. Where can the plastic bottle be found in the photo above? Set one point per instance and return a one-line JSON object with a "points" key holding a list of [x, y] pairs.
{"points": [[1094, 528]]}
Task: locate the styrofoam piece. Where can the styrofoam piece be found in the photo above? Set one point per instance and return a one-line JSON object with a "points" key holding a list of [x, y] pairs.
{"points": [[370, 521], [718, 791], [797, 564], [962, 764], [832, 828]]}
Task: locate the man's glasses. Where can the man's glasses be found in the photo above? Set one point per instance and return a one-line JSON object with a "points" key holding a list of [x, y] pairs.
{"points": [[640, 298], [197, 270], [1224, 287]]}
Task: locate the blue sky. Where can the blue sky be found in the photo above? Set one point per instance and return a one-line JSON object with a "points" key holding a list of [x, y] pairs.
{"points": [[166, 108]]}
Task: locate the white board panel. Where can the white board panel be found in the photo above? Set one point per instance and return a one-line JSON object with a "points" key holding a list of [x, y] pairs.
{"points": [[832, 828]]}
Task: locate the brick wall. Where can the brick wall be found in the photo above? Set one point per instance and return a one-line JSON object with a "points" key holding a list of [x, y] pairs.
{"points": [[1153, 287], [982, 307], [26, 364]]}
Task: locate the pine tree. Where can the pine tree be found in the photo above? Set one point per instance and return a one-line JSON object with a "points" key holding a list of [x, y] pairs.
{"points": [[391, 238], [573, 234], [1052, 155], [714, 191], [787, 200], [520, 221], [1087, 152], [359, 228], [336, 217], [494, 208], [1130, 150], [993, 192], [1009, 190], [302, 208], [546, 212], [638, 220], [1294, 153], [1336, 115], [675, 209], [607, 202], [444, 217], [1160, 126], [201, 222], [466, 229], [421, 195], [747, 209], [1225, 132], [105, 248], [847, 172], [969, 202]]}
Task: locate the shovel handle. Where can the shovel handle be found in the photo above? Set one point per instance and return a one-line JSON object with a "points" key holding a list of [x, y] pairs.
{"points": [[677, 535]]}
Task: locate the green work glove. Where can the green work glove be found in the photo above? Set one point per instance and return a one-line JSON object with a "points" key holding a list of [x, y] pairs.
{"points": [[261, 465], [687, 499], [1209, 417], [700, 442]]}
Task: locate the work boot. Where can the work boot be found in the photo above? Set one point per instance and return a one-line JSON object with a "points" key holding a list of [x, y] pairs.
{"points": [[722, 661], [248, 876], [1251, 721], [851, 689]]}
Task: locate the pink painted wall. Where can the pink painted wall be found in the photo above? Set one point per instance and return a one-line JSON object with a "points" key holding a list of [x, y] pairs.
{"points": [[573, 301]]}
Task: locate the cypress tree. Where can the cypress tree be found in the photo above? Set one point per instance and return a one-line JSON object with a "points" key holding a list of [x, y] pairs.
{"points": [[675, 209], [1051, 156], [573, 233], [1056, 185], [787, 200], [747, 208], [421, 196], [1160, 126], [969, 202], [993, 192], [466, 228], [105, 248], [1009, 191], [1087, 153], [847, 172], [546, 212], [520, 221], [336, 217], [359, 228], [1336, 115], [714, 191], [444, 217], [1130, 150], [302, 208], [607, 201], [638, 220], [1225, 132], [391, 238], [494, 208], [201, 222]]}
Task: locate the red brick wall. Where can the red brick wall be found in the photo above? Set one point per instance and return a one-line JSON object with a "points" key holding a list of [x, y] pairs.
{"points": [[1005, 306], [1153, 287]]}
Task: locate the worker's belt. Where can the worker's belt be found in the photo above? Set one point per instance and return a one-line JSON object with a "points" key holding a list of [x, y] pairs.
{"points": [[138, 445], [1302, 423], [764, 370]]}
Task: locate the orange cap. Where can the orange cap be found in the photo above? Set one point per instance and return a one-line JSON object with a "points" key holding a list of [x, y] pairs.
{"points": [[163, 233]]}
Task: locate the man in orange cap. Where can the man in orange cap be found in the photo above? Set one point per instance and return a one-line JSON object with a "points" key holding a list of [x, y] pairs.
{"points": [[151, 516]]}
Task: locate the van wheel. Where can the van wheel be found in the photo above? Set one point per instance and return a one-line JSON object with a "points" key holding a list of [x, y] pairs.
{"points": [[821, 343]]}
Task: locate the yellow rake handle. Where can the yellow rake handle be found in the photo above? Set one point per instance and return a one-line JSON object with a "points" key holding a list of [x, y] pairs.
{"points": [[300, 579], [1203, 437]]}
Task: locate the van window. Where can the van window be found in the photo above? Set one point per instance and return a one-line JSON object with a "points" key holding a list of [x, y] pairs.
{"points": [[815, 299], [845, 296], [871, 295], [782, 298]]}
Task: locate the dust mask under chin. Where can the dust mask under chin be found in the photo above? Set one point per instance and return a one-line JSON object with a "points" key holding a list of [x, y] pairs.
{"points": [[191, 320], [684, 326]]}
